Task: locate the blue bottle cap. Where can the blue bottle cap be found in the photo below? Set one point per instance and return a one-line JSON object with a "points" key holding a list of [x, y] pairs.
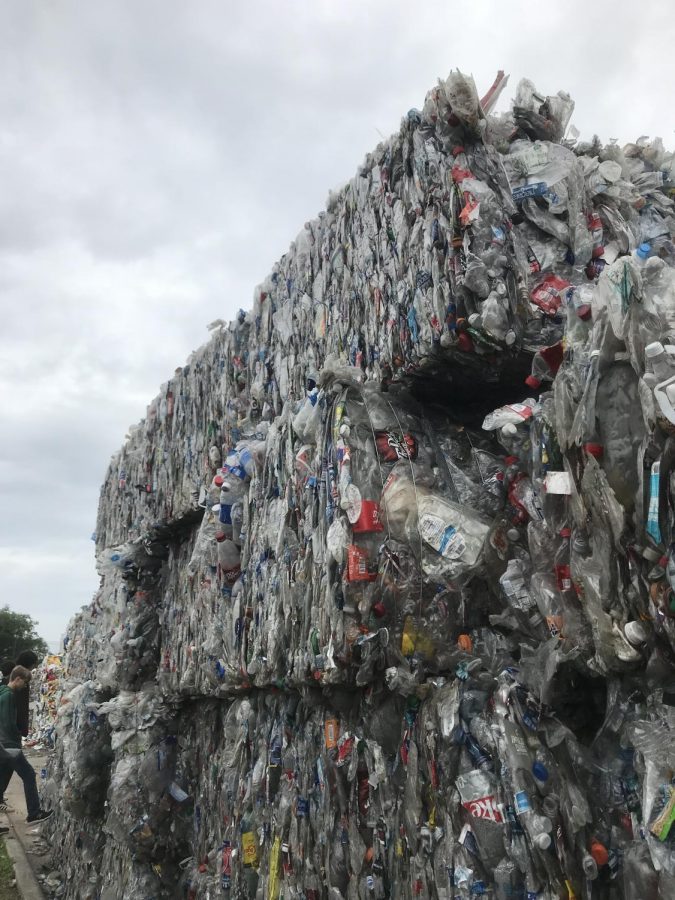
{"points": [[644, 250], [539, 771]]}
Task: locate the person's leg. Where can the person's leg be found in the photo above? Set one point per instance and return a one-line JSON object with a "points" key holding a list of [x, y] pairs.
{"points": [[6, 771], [27, 774]]}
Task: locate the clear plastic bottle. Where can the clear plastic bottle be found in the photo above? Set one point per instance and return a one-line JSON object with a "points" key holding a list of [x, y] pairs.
{"points": [[508, 880], [538, 827], [233, 488], [563, 572], [363, 496], [513, 413], [524, 496], [545, 365], [494, 317], [620, 430], [539, 373], [515, 588], [229, 558], [549, 601], [657, 362], [516, 440], [585, 427], [641, 254], [454, 532]]}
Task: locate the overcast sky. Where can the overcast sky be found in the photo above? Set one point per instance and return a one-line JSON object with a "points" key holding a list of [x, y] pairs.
{"points": [[157, 157]]}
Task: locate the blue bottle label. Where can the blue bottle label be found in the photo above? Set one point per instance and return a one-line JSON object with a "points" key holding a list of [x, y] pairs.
{"points": [[653, 529], [522, 802]]}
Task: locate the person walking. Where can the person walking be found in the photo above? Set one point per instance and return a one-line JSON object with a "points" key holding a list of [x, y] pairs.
{"points": [[29, 660], [11, 757]]}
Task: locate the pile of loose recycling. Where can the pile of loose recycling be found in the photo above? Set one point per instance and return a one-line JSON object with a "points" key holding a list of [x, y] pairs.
{"points": [[387, 603], [47, 690]]}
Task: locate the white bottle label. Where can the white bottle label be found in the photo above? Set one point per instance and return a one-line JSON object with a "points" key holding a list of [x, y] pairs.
{"points": [[444, 538]]}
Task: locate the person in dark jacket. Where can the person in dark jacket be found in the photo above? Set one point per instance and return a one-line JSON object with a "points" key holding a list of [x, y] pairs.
{"points": [[6, 667], [11, 756], [29, 660]]}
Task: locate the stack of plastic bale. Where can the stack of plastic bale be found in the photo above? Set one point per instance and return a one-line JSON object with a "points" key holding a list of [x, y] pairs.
{"points": [[76, 787], [46, 690], [396, 545]]}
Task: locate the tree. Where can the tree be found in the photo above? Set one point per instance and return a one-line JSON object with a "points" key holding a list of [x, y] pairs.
{"points": [[17, 633]]}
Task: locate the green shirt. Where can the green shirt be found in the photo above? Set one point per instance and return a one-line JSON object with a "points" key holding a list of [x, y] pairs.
{"points": [[9, 732]]}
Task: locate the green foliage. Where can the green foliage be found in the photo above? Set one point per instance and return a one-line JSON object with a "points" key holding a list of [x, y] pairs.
{"points": [[17, 633], [7, 886]]}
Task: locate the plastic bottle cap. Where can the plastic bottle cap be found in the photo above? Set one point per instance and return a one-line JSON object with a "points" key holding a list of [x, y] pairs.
{"points": [[509, 430], [218, 480], [636, 633], [539, 771], [533, 382], [595, 354], [542, 841], [599, 853], [565, 532], [654, 349], [510, 338], [650, 554], [474, 319], [584, 313], [465, 643], [220, 536], [644, 250], [465, 343], [594, 449], [513, 534]]}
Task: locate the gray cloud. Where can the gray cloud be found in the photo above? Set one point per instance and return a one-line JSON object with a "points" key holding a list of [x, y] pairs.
{"points": [[157, 157]]}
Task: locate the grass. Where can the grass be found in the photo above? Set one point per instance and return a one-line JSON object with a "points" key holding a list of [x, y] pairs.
{"points": [[7, 886]]}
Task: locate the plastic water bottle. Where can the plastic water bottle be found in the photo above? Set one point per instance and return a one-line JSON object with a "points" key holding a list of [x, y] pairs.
{"points": [[233, 488], [514, 413], [549, 601], [563, 572], [508, 879], [545, 364], [452, 530], [516, 439], [641, 254], [229, 557], [657, 362], [538, 827], [621, 431]]}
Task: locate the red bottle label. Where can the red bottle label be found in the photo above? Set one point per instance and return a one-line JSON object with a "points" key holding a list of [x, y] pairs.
{"points": [[563, 577], [369, 519], [357, 565]]}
